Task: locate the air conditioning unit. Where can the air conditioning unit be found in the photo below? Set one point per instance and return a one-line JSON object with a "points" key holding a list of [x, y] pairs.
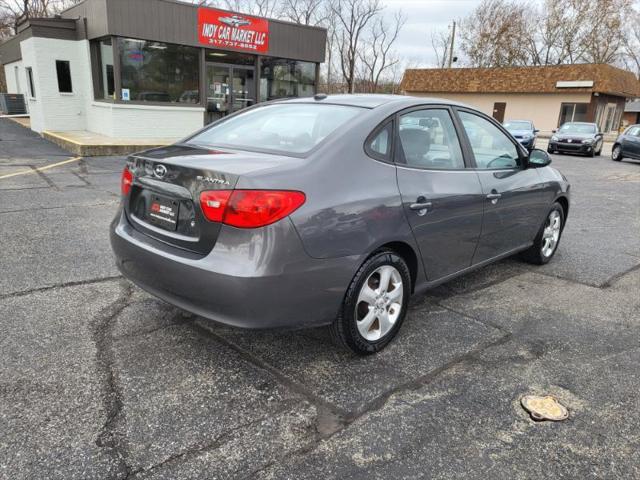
{"points": [[12, 104]]}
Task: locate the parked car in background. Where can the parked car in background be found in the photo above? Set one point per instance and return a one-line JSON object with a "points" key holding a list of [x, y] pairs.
{"points": [[577, 137], [627, 145], [523, 131], [332, 210]]}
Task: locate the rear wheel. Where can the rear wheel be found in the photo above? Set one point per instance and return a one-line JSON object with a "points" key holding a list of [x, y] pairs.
{"points": [[616, 153], [375, 304], [548, 238]]}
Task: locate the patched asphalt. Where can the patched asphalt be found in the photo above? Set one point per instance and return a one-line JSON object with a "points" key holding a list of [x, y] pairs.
{"points": [[99, 380]]}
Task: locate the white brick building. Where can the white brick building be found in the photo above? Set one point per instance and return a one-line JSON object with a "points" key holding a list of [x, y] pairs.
{"points": [[150, 68]]}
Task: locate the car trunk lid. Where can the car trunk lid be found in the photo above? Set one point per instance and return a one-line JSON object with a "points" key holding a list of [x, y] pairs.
{"points": [[163, 202]]}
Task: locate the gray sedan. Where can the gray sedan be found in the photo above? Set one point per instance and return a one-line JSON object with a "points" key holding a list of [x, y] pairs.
{"points": [[332, 210]]}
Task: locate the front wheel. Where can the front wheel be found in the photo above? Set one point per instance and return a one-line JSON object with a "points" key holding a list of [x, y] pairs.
{"points": [[548, 238], [616, 153], [375, 304]]}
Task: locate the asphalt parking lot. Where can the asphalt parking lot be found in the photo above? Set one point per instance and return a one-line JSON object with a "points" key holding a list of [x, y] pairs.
{"points": [[98, 380]]}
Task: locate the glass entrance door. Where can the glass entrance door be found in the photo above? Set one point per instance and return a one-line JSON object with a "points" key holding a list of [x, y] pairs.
{"points": [[229, 88]]}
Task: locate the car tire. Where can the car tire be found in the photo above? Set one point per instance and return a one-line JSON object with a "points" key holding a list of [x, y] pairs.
{"points": [[369, 318], [616, 153], [539, 253], [592, 153]]}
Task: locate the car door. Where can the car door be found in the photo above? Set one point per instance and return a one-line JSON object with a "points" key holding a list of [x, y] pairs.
{"points": [[515, 198], [631, 142], [442, 199]]}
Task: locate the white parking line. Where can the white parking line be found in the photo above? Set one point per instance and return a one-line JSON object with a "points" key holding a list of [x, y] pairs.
{"points": [[40, 169]]}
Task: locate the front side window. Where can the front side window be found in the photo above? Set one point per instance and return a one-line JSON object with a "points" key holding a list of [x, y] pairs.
{"points": [[428, 139], [63, 70], [159, 72], [634, 132], [32, 88], [281, 78], [289, 128], [491, 147]]}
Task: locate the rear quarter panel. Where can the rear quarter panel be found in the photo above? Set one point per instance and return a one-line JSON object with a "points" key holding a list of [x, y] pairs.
{"points": [[353, 204]]}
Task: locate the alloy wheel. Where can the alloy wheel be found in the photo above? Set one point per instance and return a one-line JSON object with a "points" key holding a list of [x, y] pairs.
{"points": [[551, 233], [616, 153], [379, 303]]}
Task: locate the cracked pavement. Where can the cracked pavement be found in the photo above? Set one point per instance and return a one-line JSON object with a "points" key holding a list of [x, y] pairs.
{"points": [[99, 380]]}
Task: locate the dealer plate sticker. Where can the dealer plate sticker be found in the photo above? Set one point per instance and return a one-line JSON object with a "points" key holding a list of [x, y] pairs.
{"points": [[163, 212]]}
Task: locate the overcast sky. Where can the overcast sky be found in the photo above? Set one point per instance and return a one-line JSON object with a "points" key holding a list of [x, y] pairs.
{"points": [[424, 16]]}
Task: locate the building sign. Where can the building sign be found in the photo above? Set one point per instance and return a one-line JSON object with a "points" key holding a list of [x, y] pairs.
{"points": [[217, 28], [575, 84]]}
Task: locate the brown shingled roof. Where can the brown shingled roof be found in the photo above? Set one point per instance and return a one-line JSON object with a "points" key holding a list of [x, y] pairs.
{"points": [[607, 79]]}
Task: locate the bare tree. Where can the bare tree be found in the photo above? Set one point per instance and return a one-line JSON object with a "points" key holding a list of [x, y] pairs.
{"points": [[494, 34], [261, 8], [304, 12], [377, 56], [353, 17], [440, 42], [603, 38], [13, 12], [631, 43]]}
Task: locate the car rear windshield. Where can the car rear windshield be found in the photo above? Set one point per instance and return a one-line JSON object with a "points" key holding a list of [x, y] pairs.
{"points": [[288, 128], [517, 125], [578, 128]]}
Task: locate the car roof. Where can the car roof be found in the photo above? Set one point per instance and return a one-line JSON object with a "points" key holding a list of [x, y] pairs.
{"points": [[370, 100], [578, 123]]}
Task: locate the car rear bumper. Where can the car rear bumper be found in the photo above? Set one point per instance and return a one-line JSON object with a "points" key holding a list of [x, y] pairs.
{"points": [[259, 278], [571, 147]]}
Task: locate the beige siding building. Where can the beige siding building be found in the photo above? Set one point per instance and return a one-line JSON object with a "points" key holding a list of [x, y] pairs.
{"points": [[549, 96]]}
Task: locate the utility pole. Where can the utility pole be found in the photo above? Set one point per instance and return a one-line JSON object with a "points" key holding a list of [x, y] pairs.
{"points": [[453, 39]]}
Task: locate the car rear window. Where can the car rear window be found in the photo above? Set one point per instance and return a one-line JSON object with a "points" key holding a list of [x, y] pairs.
{"points": [[288, 128]]}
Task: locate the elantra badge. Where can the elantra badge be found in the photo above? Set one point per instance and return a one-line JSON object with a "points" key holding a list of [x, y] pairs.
{"points": [[160, 171]]}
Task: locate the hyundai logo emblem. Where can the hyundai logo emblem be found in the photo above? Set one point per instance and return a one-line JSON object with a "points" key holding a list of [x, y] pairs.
{"points": [[160, 171]]}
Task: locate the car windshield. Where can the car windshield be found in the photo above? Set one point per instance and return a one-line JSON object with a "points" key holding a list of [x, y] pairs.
{"points": [[290, 128], [517, 125], [578, 128]]}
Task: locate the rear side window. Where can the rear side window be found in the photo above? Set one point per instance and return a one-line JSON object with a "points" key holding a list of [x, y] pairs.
{"points": [[491, 146], [63, 69], [289, 128], [428, 139], [379, 145]]}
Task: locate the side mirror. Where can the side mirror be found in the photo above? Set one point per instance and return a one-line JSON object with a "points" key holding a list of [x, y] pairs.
{"points": [[538, 158], [538, 131], [555, 130]]}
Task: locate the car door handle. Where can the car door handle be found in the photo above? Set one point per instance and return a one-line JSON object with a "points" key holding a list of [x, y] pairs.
{"points": [[421, 206], [494, 196]]}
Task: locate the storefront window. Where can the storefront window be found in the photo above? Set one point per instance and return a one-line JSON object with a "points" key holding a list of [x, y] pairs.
{"points": [[107, 84], [282, 78], [573, 112], [159, 72]]}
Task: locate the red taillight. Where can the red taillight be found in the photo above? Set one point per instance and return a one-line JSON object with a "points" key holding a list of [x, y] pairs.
{"points": [[214, 204], [249, 208], [126, 181]]}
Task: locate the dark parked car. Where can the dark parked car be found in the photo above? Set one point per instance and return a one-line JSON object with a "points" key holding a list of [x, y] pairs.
{"points": [[577, 137], [523, 131], [332, 211], [627, 145]]}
